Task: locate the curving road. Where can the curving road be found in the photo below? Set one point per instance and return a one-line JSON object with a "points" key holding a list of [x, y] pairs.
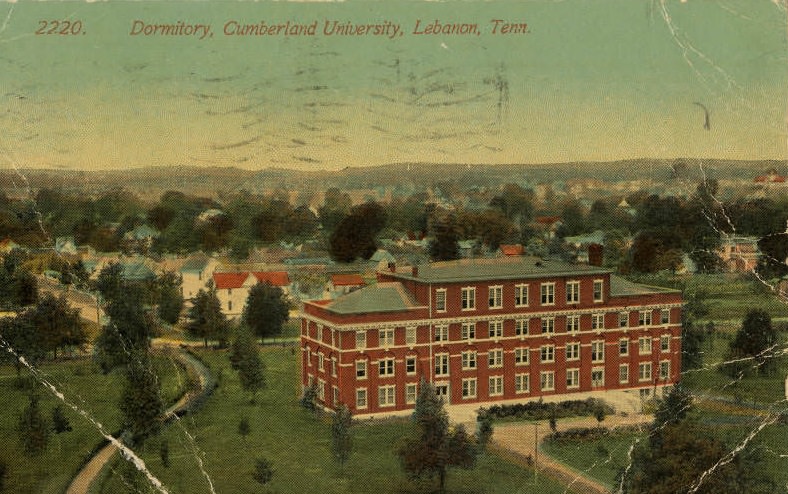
{"points": [[92, 469]]}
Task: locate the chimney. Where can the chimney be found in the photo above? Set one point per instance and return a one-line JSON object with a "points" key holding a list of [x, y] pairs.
{"points": [[595, 254], [393, 267], [415, 271]]}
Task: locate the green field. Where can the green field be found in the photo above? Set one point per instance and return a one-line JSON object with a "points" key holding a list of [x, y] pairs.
{"points": [[298, 444], [89, 389]]}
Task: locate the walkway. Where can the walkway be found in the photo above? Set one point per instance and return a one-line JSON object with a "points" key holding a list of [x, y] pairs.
{"points": [[518, 441], [92, 470]]}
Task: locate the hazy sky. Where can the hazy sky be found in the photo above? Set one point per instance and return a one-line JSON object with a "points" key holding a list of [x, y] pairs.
{"points": [[592, 80]]}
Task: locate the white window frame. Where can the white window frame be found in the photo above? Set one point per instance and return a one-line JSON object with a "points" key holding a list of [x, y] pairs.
{"points": [[597, 377], [442, 333], [468, 331], [321, 361], [408, 360], [645, 345], [664, 343], [573, 323], [664, 316], [521, 327], [410, 335], [547, 353], [644, 372], [548, 325], [547, 293], [442, 366], [645, 318], [495, 358], [469, 388], [598, 291], [321, 390], [361, 340], [411, 392], [495, 329], [468, 298], [664, 370], [440, 300], [495, 384], [573, 292], [386, 367], [469, 360], [522, 383], [547, 381], [598, 351], [521, 295], [573, 351], [495, 297], [597, 321], [572, 378], [361, 365], [361, 398], [387, 395], [623, 319], [521, 355], [623, 374], [623, 347], [333, 366], [386, 337]]}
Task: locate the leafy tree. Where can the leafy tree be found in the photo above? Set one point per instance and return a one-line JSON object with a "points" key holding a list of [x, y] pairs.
{"points": [[308, 400], [168, 297], [336, 205], [341, 440], [485, 423], [21, 336], [33, 428], [435, 447], [129, 329], [444, 246], [141, 403], [25, 287], [266, 310], [164, 453], [244, 429], [263, 471], [600, 415], [60, 422], [753, 341], [206, 319], [245, 358], [354, 236], [674, 407], [515, 203], [58, 325]]}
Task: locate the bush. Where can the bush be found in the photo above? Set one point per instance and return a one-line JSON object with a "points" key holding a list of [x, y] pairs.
{"points": [[582, 434], [539, 410]]}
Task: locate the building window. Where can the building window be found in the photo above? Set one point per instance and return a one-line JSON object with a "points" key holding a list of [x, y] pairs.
{"points": [[320, 362], [521, 356], [597, 321], [410, 393], [410, 336], [495, 357], [308, 357], [521, 383], [664, 316], [572, 324], [387, 396], [548, 353], [597, 377], [664, 343], [644, 371], [599, 290], [573, 351], [548, 325], [361, 398], [623, 319], [469, 360], [386, 337], [469, 388], [361, 369], [468, 331], [386, 367], [547, 380], [361, 340], [495, 298], [664, 369], [335, 396], [623, 373], [521, 295], [572, 378], [645, 318], [229, 305], [442, 364], [410, 365], [440, 300], [496, 328], [644, 345], [521, 327], [623, 347], [468, 301], [547, 293], [572, 292], [441, 333], [496, 385], [321, 390], [598, 351], [334, 366]]}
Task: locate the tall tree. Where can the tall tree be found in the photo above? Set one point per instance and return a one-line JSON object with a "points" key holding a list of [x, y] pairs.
{"points": [[141, 403], [341, 440], [266, 310], [58, 324], [19, 335], [33, 428], [444, 246], [245, 358], [168, 297], [754, 341], [354, 236], [434, 447], [206, 319]]}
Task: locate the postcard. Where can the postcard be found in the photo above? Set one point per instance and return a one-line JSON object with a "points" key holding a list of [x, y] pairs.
{"points": [[405, 246]]}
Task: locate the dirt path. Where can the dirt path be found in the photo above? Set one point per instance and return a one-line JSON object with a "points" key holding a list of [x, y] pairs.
{"points": [[92, 470], [517, 441]]}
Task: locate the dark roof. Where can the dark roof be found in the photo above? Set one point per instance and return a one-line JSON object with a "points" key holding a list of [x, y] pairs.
{"points": [[381, 297], [136, 271], [621, 287], [195, 263], [515, 267]]}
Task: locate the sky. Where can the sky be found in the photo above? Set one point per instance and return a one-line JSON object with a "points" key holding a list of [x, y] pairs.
{"points": [[591, 80]]}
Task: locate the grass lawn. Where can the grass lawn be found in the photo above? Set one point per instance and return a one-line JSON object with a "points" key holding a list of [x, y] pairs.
{"points": [[87, 388], [601, 459], [298, 445]]}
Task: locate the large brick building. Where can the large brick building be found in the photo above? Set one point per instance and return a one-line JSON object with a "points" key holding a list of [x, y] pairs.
{"points": [[492, 330]]}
